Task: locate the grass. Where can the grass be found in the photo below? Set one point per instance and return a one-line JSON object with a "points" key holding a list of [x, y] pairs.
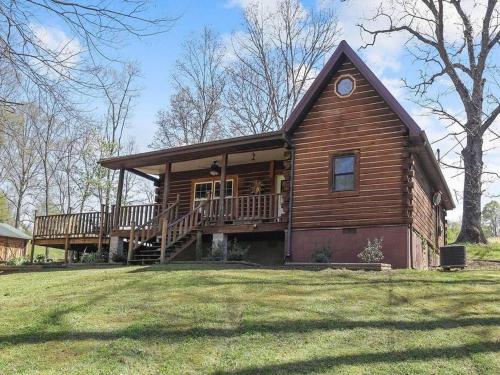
{"points": [[55, 254], [490, 251], [190, 320]]}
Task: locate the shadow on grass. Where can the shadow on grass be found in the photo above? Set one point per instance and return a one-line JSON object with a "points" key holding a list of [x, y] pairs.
{"points": [[59, 268], [156, 332], [330, 362]]}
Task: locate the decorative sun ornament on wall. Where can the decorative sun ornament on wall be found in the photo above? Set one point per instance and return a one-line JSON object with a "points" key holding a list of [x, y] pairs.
{"points": [[257, 187]]}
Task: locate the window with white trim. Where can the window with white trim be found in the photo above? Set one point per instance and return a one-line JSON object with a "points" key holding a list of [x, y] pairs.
{"points": [[204, 189]]}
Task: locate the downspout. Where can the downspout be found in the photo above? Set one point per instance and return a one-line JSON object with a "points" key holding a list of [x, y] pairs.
{"points": [[290, 200]]}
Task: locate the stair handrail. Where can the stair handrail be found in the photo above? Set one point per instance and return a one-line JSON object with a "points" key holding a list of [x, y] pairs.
{"points": [[181, 227], [144, 232]]}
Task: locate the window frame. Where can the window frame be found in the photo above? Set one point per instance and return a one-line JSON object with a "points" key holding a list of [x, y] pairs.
{"points": [[331, 178], [212, 181], [337, 81]]}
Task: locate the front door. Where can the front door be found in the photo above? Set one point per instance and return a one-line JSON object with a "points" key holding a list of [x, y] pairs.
{"points": [[280, 180]]}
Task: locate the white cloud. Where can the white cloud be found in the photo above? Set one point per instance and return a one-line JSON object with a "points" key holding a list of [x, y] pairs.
{"points": [[65, 50], [270, 5]]}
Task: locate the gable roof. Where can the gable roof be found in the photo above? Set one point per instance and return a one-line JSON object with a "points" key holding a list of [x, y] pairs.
{"points": [[343, 52], [7, 230], [416, 135]]}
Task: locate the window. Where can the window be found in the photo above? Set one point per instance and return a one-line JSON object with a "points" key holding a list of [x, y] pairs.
{"points": [[229, 188], [344, 172], [204, 189], [344, 86]]}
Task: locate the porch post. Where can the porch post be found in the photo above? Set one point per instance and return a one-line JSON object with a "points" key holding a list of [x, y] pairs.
{"points": [[166, 184], [222, 194], [32, 250], [118, 198]]}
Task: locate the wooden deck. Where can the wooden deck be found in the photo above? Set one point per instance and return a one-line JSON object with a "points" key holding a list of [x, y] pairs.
{"points": [[241, 214]]}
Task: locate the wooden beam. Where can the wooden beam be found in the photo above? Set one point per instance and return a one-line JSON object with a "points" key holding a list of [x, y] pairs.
{"points": [[272, 168], [166, 184], [119, 197], [131, 242], [222, 194], [32, 252], [163, 243], [101, 228], [144, 175]]}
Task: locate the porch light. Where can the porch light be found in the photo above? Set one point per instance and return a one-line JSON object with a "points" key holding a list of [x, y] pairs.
{"points": [[214, 169]]}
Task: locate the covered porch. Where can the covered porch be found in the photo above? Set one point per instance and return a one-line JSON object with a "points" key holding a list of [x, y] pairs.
{"points": [[225, 187]]}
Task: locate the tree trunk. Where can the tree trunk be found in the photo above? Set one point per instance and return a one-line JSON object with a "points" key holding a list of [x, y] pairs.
{"points": [[19, 204], [471, 230]]}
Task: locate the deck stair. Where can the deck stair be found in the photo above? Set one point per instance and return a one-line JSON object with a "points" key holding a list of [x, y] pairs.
{"points": [[145, 242]]}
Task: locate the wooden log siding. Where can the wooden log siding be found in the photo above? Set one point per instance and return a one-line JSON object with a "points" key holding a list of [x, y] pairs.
{"points": [[181, 182], [424, 213], [12, 248], [362, 122]]}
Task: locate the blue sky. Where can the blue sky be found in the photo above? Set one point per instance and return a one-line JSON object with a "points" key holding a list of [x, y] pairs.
{"points": [[156, 56]]}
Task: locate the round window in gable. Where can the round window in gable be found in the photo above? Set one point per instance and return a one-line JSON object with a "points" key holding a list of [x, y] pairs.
{"points": [[345, 85]]}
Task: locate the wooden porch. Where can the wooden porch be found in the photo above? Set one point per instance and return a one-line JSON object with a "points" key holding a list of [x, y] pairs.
{"points": [[230, 186], [139, 224]]}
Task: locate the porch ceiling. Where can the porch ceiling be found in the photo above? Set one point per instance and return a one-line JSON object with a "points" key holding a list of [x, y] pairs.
{"points": [[249, 157]]}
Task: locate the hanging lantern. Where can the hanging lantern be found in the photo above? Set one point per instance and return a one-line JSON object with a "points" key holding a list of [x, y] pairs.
{"points": [[214, 169]]}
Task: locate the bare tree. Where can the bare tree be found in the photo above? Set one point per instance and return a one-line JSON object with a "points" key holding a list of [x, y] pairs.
{"points": [[20, 160], [119, 90], [453, 40], [277, 58], [49, 126], [91, 30], [194, 115]]}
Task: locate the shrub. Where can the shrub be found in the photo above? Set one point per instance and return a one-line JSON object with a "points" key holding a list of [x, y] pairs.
{"points": [[119, 258], [236, 251], [372, 252], [18, 261], [40, 258], [89, 258], [322, 254]]}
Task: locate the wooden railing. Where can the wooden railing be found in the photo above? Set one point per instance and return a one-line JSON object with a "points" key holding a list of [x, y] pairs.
{"points": [[186, 224], [262, 207], [137, 214], [152, 228], [85, 224]]}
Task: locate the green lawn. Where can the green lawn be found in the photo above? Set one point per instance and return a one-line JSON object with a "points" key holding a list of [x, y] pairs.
{"points": [[54, 254], [490, 251], [191, 320]]}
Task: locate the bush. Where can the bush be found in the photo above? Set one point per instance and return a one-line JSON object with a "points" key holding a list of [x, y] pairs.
{"points": [[372, 253], [237, 251], [18, 261], [322, 255], [119, 258], [40, 258], [89, 258]]}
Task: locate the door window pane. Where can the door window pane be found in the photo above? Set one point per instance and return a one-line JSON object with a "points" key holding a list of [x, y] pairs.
{"points": [[229, 188], [202, 190]]}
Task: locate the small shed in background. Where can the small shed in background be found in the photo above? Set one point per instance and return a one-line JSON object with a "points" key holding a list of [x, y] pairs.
{"points": [[12, 242]]}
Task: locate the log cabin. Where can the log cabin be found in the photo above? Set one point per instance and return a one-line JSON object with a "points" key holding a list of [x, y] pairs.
{"points": [[12, 242], [349, 164]]}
